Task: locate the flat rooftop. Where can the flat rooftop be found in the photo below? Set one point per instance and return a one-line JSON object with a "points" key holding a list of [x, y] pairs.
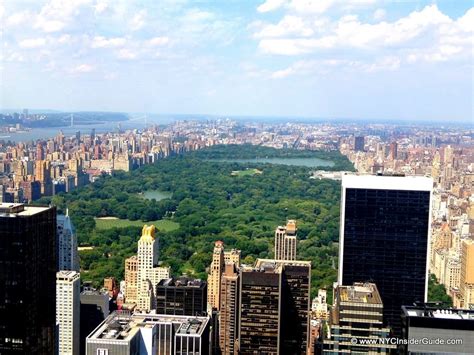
{"points": [[182, 282], [20, 209], [384, 182], [365, 293], [124, 326], [433, 312]]}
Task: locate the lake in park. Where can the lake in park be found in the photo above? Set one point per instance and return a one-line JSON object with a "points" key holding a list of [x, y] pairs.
{"points": [[308, 162]]}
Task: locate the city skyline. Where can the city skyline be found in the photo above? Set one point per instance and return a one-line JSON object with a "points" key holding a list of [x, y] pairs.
{"points": [[365, 59]]}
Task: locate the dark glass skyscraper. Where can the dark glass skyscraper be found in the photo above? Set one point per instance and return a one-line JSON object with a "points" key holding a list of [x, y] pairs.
{"points": [[274, 307], [182, 296], [384, 238], [27, 279]]}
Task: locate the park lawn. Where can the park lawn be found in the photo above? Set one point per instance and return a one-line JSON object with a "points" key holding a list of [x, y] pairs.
{"points": [[162, 224]]}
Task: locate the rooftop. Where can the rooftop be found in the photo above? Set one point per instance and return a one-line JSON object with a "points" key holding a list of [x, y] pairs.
{"points": [[124, 325], [182, 282], [429, 311], [20, 209], [383, 182], [359, 293]]}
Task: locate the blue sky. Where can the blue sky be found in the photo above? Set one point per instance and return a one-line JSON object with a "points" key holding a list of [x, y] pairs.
{"points": [[368, 59]]}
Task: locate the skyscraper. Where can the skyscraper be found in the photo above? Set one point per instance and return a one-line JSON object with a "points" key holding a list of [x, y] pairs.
{"points": [[384, 238], [131, 279], [285, 241], [467, 273], [68, 258], [68, 284], [130, 334], [229, 310], [214, 277], [359, 143], [149, 273], [357, 313], [27, 279], [393, 150], [451, 331], [181, 296], [274, 307]]}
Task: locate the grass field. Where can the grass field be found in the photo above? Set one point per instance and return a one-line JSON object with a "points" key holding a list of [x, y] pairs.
{"points": [[162, 224]]}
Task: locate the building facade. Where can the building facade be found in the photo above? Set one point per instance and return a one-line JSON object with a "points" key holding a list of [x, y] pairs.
{"points": [[123, 333], [68, 257], [68, 287], [28, 264], [357, 313], [131, 279], [181, 296], [385, 237], [274, 307], [149, 273], [229, 309], [285, 241], [445, 331], [215, 273]]}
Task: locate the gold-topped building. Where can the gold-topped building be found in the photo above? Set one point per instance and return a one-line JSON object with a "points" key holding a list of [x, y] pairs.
{"points": [[142, 272]]}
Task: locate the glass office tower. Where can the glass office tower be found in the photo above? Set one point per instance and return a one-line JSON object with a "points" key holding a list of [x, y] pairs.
{"points": [[384, 238], [27, 279]]}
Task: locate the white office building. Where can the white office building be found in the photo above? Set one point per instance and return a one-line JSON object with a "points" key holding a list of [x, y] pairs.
{"points": [[67, 311]]}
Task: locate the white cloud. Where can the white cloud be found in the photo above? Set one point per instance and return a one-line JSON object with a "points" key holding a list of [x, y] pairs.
{"points": [[427, 31], [321, 67], [82, 68], [102, 42], [126, 54], [289, 25], [65, 38], [110, 76], [32, 43], [157, 41], [101, 6], [379, 14], [138, 20], [18, 18], [270, 5], [56, 14]]}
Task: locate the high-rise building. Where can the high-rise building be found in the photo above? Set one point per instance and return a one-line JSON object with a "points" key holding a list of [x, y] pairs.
{"points": [[359, 143], [215, 273], [68, 257], [27, 279], [357, 314], [181, 296], [149, 273], [219, 258], [285, 241], [229, 311], [384, 238], [129, 334], [393, 150], [94, 309], [441, 331], [131, 279], [466, 285], [68, 285], [274, 307]]}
